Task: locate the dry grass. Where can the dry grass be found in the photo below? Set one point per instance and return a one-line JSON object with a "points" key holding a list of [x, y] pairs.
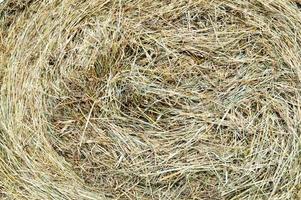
{"points": [[150, 99]]}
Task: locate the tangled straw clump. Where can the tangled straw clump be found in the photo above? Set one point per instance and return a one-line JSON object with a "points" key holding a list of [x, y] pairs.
{"points": [[150, 99]]}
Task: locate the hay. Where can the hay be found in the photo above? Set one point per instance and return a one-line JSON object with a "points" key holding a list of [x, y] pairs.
{"points": [[150, 99]]}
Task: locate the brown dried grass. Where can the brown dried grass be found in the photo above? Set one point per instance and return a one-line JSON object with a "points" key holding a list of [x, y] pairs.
{"points": [[150, 99]]}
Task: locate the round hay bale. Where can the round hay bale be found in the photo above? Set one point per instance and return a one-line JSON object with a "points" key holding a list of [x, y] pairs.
{"points": [[150, 99]]}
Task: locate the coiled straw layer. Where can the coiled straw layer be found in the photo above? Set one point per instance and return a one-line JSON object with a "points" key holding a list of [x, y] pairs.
{"points": [[136, 99]]}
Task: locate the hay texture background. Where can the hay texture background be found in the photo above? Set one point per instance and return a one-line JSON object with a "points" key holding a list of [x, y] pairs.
{"points": [[186, 99]]}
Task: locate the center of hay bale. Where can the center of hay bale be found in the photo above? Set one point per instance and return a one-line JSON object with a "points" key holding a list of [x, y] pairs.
{"points": [[123, 125]]}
